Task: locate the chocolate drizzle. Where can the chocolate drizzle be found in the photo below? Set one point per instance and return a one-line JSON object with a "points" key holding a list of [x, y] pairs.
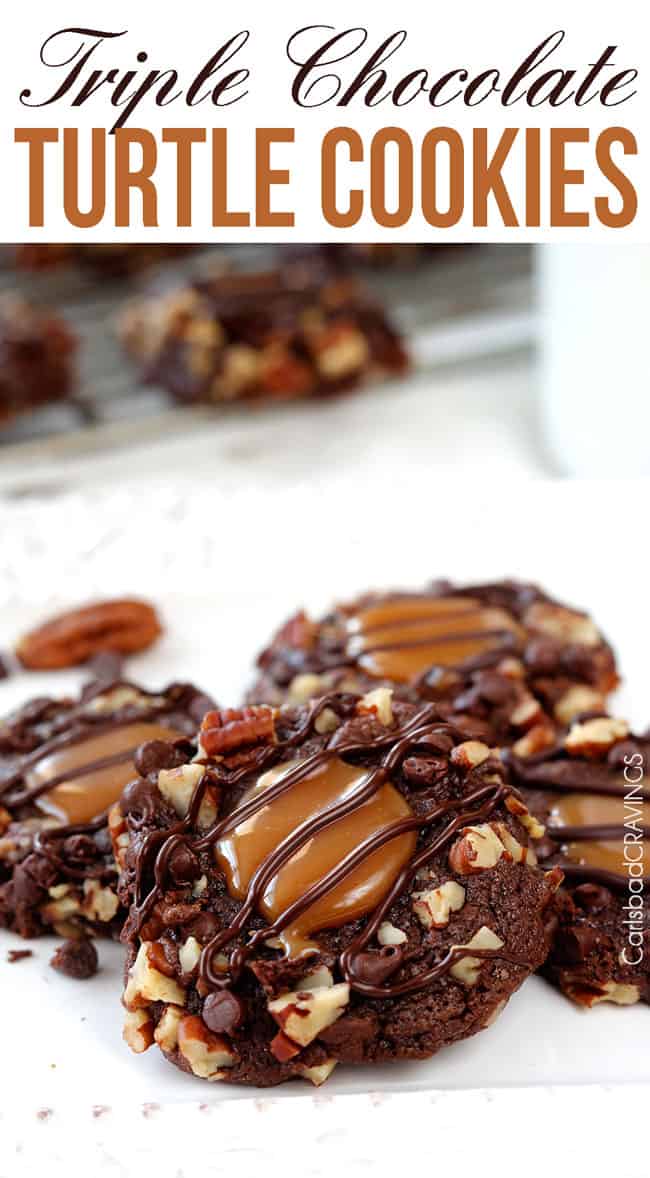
{"points": [[421, 731], [49, 843], [559, 777], [82, 725], [405, 636], [433, 642]]}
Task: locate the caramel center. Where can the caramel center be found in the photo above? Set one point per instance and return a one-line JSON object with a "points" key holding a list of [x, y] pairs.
{"points": [[401, 638], [82, 787], [241, 852], [581, 809]]}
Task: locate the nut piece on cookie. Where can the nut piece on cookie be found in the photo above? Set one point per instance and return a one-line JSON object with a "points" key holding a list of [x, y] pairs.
{"points": [[566, 625], [514, 849], [166, 1032], [620, 993], [479, 849], [305, 687], [541, 736], [466, 969], [99, 903], [378, 701], [189, 955], [303, 1014], [434, 907], [470, 754], [146, 984], [595, 737], [529, 822], [178, 786], [206, 1053], [138, 1032], [387, 934], [318, 1073], [576, 701], [224, 730]]}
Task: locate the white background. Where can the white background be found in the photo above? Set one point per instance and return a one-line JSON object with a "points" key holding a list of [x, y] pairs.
{"points": [[474, 34]]}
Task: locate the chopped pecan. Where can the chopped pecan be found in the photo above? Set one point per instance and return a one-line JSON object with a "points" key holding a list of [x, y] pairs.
{"points": [[73, 637], [299, 631], [224, 731]]}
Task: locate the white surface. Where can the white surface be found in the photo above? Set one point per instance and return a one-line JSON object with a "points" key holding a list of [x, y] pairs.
{"points": [[480, 415], [225, 569]]}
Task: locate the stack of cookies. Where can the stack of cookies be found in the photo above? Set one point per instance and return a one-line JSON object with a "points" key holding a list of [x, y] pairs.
{"points": [[423, 801]]}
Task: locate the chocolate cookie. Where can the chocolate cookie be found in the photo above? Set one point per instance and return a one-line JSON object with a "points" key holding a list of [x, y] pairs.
{"points": [[63, 762], [591, 787], [349, 881], [283, 334], [378, 255], [504, 657], [37, 358], [109, 259]]}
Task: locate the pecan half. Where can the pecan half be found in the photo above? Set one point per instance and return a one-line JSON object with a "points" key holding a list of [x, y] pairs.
{"points": [[232, 728], [73, 637]]}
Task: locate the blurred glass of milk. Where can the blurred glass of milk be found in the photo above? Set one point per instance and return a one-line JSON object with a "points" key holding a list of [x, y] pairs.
{"points": [[595, 357]]}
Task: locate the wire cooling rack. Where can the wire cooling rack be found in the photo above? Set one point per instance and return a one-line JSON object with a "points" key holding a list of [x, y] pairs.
{"points": [[451, 305]]}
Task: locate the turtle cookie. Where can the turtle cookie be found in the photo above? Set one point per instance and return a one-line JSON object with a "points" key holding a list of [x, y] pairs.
{"points": [[294, 332], [348, 881], [37, 358], [591, 788], [504, 660], [63, 762]]}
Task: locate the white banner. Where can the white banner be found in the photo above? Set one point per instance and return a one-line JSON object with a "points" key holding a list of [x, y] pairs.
{"points": [[333, 121]]}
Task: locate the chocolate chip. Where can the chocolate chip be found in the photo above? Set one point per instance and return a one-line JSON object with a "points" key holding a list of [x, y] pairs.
{"points": [[154, 755], [572, 945], [76, 959], [152, 928], [204, 926], [175, 914], [423, 771], [26, 890], [439, 742], [40, 869], [542, 656], [591, 897], [5, 667], [223, 1012], [495, 688], [80, 847], [31, 879], [183, 865], [373, 968], [102, 840], [141, 798]]}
